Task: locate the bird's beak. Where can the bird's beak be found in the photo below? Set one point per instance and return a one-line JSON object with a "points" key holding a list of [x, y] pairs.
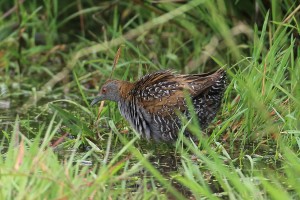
{"points": [[96, 100]]}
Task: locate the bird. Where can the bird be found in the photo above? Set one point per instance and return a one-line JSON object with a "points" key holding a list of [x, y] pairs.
{"points": [[151, 104]]}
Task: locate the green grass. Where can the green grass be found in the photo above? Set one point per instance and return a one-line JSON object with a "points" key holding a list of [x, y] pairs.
{"points": [[54, 57]]}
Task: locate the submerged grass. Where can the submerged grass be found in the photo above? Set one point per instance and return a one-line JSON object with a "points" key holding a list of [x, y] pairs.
{"points": [[54, 57]]}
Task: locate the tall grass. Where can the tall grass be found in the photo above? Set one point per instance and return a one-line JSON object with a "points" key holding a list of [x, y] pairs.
{"points": [[54, 57]]}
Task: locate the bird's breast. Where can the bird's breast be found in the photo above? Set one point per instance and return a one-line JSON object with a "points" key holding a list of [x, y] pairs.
{"points": [[138, 118]]}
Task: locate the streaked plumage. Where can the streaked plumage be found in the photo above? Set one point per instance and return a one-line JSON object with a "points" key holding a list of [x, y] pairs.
{"points": [[151, 104]]}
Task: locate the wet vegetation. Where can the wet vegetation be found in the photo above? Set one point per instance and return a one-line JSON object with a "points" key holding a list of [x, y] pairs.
{"points": [[55, 55]]}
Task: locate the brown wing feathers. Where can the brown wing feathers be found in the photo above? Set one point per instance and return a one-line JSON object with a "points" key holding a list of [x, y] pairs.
{"points": [[163, 91]]}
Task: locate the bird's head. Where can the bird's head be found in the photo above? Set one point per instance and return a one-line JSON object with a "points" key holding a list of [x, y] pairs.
{"points": [[109, 91]]}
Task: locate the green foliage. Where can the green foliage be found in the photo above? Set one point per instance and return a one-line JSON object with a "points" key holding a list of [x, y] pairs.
{"points": [[55, 55]]}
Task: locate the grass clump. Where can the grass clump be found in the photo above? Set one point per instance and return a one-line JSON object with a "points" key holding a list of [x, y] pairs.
{"points": [[54, 56]]}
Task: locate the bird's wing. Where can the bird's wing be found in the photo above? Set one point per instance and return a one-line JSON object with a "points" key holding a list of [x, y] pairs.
{"points": [[199, 83], [164, 92], [156, 92]]}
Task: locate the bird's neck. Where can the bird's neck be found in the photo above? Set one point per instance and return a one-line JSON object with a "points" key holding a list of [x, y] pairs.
{"points": [[125, 88]]}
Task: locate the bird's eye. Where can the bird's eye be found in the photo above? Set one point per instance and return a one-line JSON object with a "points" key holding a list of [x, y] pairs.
{"points": [[103, 90]]}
